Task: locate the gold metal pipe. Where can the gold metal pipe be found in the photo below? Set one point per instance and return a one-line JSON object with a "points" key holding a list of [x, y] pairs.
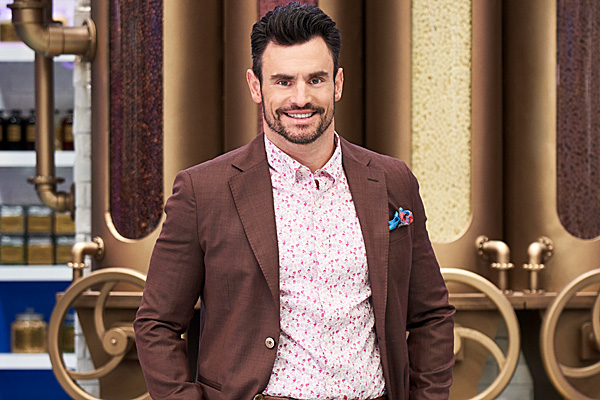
{"points": [[538, 252], [498, 253], [80, 250], [35, 29], [33, 23], [45, 180]]}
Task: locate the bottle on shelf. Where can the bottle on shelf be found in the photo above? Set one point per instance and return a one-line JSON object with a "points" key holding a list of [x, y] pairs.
{"points": [[67, 131], [14, 131], [58, 135], [2, 129], [29, 127]]}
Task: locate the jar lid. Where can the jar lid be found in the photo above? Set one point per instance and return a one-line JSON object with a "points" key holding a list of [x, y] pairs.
{"points": [[29, 315]]}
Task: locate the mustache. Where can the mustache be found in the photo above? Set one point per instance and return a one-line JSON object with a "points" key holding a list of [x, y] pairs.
{"points": [[306, 107]]}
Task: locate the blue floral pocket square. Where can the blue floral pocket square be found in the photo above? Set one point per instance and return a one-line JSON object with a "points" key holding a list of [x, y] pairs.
{"points": [[402, 217]]}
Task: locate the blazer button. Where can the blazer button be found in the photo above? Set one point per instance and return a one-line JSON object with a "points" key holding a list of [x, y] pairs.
{"points": [[270, 342], [258, 397]]}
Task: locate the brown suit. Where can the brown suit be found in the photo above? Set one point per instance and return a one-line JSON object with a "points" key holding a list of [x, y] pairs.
{"points": [[219, 243]]}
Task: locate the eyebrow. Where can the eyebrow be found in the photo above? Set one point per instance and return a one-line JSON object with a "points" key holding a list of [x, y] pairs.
{"points": [[290, 77]]}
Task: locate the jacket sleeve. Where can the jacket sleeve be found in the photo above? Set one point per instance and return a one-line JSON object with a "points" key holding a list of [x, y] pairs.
{"points": [[430, 317], [173, 286]]}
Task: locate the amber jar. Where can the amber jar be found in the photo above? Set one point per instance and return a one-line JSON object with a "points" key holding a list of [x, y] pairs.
{"points": [[2, 129], [28, 333], [67, 131], [15, 139], [29, 131], [12, 250], [12, 219]]}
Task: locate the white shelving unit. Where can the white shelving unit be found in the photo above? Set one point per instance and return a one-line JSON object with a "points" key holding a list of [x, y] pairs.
{"points": [[21, 159], [35, 273], [25, 361], [19, 52], [15, 167]]}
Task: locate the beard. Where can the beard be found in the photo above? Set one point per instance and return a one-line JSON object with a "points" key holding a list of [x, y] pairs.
{"points": [[306, 136]]}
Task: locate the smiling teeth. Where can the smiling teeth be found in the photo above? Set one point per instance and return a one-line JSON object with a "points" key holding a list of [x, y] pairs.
{"points": [[300, 115]]}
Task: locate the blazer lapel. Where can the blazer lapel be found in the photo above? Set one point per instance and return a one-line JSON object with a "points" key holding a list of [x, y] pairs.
{"points": [[253, 196], [369, 193]]}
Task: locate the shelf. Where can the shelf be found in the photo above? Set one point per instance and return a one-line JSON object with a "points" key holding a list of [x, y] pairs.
{"points": [[19, 159], [25, 361], [19, 52], [35, 273]]}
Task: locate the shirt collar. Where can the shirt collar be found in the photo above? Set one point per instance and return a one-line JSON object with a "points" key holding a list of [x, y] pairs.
{"points": [[292, 170]]}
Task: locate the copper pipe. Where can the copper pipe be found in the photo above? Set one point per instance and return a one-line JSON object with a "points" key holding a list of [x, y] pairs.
{"points": [[538, 252], [499, 252], [80, 250], [33, 24], [35, 28], [45, 180]]}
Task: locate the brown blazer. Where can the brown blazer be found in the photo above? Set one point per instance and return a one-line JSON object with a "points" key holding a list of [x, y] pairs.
{"points": [[219, 243]]}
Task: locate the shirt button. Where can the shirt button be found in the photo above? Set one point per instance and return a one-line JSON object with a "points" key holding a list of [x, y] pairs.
{"points": [[258, 397], [270, 343]]}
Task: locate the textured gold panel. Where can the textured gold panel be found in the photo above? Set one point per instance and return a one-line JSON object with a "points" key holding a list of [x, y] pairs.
{"points": [[441, 112]]}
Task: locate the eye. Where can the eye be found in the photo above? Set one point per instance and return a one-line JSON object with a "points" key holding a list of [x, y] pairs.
{"points": [[316, 81], [283, 83]]}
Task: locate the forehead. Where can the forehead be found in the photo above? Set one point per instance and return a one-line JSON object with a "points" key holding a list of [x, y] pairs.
{"points": [[308, 57]]}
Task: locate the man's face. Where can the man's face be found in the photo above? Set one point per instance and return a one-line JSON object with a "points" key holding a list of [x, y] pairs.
{"points": [[298, 91]]}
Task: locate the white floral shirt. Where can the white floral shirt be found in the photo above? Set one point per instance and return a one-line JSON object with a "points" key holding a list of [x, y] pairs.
{"points": [[327, 346]]}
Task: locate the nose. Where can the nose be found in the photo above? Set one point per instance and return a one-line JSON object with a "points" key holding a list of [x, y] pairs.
{"points": [[301, 94]]}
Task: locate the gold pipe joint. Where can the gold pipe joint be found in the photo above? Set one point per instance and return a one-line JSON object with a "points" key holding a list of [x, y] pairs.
{"points": [[48, 38], [538, 252], [497, 253], [95, 248]]}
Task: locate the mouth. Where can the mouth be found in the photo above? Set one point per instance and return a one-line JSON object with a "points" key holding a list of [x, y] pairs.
{"points": [[299, 115]]}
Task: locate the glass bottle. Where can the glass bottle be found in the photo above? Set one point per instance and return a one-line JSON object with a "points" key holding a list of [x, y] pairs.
{"points": [[2, 129], [29, 127], [67, 131], [58, 135], [14, 131]]}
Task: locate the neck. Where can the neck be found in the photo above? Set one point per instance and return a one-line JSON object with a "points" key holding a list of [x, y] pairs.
{"points": [[312, 155]]}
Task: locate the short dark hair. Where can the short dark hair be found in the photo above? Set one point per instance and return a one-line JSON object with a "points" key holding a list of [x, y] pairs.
{"points": [[293, 24]]}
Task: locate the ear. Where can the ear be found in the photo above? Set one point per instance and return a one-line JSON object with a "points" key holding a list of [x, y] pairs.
{"points": [[339, 84], [254, 85]]}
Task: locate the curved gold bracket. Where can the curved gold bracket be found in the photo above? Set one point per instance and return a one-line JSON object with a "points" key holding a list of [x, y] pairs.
{"points": [[507, 364], [556, 371], [116, 340]]}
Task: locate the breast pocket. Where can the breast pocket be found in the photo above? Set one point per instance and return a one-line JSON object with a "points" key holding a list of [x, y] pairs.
{"points": [[399, 234]]}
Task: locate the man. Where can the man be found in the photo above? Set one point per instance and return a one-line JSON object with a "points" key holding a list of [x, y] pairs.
{"points": [[309, 254]]}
